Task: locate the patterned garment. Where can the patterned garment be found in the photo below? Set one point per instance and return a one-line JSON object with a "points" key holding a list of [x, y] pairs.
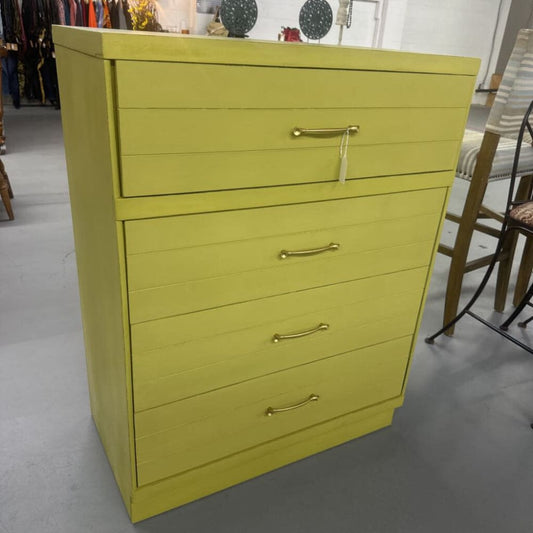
{"points": [[13, 29], [60, 10], [107, 16], [73, 14], [523, 214], [99, 8], [503, 159]]}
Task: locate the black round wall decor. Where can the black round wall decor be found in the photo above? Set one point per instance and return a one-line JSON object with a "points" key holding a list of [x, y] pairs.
{"points": [[238, 16], [316, 18]]}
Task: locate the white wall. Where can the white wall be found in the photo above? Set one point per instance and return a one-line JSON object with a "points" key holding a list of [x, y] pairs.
{"points": [[273, 14], [457, 27], [173, 12], [393, 24]]}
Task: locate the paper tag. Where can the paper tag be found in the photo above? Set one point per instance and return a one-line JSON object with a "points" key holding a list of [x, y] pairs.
{"points": [[343, 154], [343, 168]]}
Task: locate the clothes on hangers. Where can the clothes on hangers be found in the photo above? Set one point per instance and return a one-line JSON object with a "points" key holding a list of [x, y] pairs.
{"points": [[39, 61], [91, 16], [15, 41], [106, 18], [29, 68], [60, 12]]}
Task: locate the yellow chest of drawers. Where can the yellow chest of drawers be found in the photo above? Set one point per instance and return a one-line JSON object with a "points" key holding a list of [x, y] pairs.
{"points": [[242, 307]]}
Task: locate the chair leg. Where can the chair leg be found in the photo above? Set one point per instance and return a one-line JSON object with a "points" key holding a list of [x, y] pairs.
{"points": [[460, 251], [477, 293], [524, 271], [4, 194], [473, 201], [524, 323], [518, 308], [9, 189], [507, 255], [504, 271]]}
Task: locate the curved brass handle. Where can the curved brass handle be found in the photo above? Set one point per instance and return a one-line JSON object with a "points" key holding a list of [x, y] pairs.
{"points": [[298, 132], [273, 410], [277, 337], [331, 247]]}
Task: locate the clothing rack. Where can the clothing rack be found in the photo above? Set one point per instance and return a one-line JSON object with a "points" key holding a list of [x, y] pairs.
{"points": [[29, 67]]}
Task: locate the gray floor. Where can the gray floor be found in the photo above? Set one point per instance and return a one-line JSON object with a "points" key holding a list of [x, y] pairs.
{"points": [[458, 457]]}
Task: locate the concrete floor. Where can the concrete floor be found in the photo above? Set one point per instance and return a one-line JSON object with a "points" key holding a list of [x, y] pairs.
{"points": [[457, 458]]}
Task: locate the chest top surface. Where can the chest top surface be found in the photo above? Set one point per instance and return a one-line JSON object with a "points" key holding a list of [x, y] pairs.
{"points": [[147, 46]]}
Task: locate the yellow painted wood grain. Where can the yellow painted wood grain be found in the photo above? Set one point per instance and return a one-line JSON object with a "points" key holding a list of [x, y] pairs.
{"points": [[193, 484], [185, 173], [233, 318], [168, 233], [179, 436], [208, 202], [152, 85], [171, 131], [145, 46], [158, 269], [231, 162], [214, 362], [179, 298], [89, 151]]}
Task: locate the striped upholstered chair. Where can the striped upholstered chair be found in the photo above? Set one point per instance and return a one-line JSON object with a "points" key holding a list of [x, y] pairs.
{"points": [[486, 157]]}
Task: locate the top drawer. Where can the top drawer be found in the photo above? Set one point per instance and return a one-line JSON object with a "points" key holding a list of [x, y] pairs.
{"points": [[190, 128], [159, 85]]}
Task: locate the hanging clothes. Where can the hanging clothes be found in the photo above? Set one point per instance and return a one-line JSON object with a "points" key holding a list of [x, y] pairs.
{"points": [[113, 14], [127, 15], [107, 16], [99, 8], [15, 41], [39, 60], [91, 19], [72, 10], [85, 12], [66, 10], [13, 30], [79, 13], [59, 13]]}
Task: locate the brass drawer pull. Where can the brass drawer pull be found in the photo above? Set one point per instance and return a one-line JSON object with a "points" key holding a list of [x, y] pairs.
{"points": [[277, 337], [331, 247], [273, 410], [298, 132]]}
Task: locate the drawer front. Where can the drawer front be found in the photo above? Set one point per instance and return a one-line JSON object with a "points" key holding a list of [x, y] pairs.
{"points": [[256, 148], [213, 171], [180, 131], [155, 334], [357, 314], [160, 269], [185, 434], [189, 231], [181, 281], [151, 304], [186, 85]]}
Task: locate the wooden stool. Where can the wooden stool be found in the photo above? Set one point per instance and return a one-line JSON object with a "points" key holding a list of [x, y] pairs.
{"points": [[6, 192]]}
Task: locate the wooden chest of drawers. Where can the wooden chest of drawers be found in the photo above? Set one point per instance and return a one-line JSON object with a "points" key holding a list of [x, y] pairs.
{"points": [[215, 352]]}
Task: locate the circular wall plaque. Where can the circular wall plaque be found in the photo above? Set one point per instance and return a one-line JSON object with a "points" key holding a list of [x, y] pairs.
{"points": [[238, 16], [316, 18]]}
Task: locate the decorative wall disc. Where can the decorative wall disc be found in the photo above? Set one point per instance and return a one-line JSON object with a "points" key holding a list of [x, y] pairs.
{"points": [[316, 18], [238, 16]]}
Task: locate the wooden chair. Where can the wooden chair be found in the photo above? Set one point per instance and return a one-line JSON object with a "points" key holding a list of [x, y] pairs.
{"points": [[517, 218], [487, 157], [6, 192]]}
